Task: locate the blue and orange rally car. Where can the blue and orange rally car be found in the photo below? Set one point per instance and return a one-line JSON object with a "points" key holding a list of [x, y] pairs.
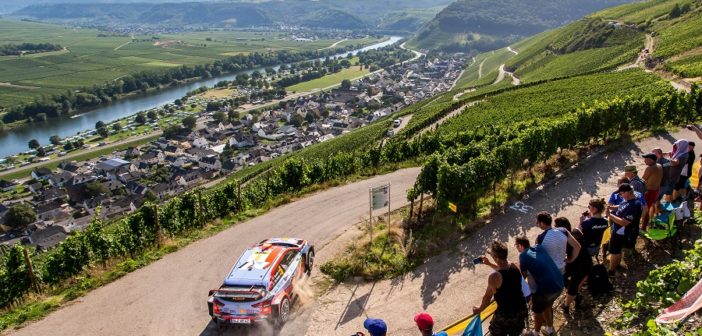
{"points": [[261, 284]]}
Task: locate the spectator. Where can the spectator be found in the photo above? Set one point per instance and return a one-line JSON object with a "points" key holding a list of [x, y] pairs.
{"points": [[653, 176], [578, 270], [625, 227], [636, 182], [678, 161], [615, 199], [536, 263], [593, 225], [666, 187], [687, 170], [505, 284], [555, 241], [425, 323], [375, 327]]}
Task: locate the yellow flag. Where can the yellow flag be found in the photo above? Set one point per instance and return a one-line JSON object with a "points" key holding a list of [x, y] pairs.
{"points": [[453, 207]]}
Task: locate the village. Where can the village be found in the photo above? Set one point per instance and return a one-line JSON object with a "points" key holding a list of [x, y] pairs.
{"points": [[67, 198]]}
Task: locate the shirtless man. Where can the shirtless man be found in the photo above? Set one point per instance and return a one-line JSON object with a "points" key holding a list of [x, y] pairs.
{"points": [[653, 176]]}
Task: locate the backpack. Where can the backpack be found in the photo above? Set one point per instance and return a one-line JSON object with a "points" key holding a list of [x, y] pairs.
{"points": [[598, 282]]}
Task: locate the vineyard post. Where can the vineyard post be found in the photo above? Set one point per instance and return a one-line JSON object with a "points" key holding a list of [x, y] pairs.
{"points": [[421, 204], [238, 198], [494, 195], [158, 226], [201, 213], [370, 217], [30, 269], [411, 211]]}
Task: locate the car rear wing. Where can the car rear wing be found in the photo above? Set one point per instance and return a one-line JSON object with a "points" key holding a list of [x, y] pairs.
{"points": [[237, 294]]}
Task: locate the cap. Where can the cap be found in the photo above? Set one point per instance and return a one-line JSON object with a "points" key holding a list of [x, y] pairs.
{"points": [[376, 327], [650, 156], [424, 321], [690, 144], [630, 169], [625, 187]]}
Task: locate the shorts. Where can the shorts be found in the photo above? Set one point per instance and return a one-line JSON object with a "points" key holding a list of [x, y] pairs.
{"points": [[575, 279], [539, 302], [682, 183], [631, 237], [651, 197], [510, 325], [616, 243], [593, 250]]}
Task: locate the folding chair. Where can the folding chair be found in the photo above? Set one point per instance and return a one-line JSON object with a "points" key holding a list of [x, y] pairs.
{"points": [[664, 226]]}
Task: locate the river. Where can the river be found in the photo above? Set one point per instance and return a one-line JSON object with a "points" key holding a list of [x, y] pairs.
{"points": [[16, 140]]}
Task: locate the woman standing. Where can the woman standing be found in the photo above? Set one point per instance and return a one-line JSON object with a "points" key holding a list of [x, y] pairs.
{"points": [[576, 271]]}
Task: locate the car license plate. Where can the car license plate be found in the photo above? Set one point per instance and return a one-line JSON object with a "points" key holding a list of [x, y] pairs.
{"points": [[240, 321]]}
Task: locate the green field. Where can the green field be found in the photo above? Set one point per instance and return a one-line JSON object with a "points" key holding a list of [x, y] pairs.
{"points": [[329, 80], [91, 60]]}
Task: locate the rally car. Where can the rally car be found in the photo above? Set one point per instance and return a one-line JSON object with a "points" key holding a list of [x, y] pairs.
{"points": [[261, 284]]}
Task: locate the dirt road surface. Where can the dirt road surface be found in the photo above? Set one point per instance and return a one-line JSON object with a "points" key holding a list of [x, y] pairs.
{"points": [[449, 285], [169, 296]]}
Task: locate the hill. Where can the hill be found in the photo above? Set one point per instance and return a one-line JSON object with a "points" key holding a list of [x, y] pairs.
{"points": [[483, 25], [402, 15]]}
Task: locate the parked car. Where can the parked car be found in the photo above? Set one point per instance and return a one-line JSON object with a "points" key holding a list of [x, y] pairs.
{"points": [[397, 123], [390, 132], [260, 286]]}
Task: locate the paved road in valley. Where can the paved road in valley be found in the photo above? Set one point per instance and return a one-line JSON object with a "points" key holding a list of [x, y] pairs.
{"points": [[169, 296]]}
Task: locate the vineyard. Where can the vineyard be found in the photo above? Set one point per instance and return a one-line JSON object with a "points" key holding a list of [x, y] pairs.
{"points": [[578, 48], [554, 98], [681, 35], [688, 67], [640, 12]]}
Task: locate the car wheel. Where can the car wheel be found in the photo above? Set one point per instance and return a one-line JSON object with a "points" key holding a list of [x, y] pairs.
{"points": [[283, 312], [310, 261]]}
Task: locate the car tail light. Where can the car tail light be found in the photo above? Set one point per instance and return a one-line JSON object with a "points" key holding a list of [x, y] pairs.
{"points": [[265, 306], [216, 307]]}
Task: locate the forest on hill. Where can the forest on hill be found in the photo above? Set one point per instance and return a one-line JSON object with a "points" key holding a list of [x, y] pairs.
{"points": [[403, 15], [482, 25]]}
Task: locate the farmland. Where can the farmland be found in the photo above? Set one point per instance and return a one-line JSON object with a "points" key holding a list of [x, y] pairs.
{"points": [[91, 58], [329, 80]]}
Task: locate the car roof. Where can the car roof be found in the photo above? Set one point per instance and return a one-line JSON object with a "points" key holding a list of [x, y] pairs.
{"points": [[254, 265]]}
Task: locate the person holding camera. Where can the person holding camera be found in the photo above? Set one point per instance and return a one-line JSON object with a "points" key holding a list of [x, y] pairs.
{"points": [[593, 225], [505, 285]]}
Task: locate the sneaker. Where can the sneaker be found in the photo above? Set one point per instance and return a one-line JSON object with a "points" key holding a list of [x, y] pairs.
{"points": [[548, 331], [578, 301]]}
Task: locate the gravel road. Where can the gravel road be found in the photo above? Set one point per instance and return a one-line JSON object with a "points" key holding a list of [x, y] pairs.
{"points": [[169, 296]]}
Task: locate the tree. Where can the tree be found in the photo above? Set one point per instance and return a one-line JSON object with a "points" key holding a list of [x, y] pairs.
{"points": [[233, 115], [34, 144], [171, 132], [296, 120], [189, 122], [94, 189], [103, 132], [345, 84], [219, 116], [99, 124], [152, 115], [55, 140], [41, 152], [140, 118], [20, 215], [675, 12], [310, 117], [116, 127]]}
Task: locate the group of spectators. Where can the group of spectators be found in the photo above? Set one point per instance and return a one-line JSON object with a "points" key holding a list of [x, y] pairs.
{"points": [[561, 257], [424, 322]]}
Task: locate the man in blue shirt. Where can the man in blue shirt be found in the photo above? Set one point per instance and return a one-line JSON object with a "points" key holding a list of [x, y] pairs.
{"points": [[625, 225], [537, 265]]}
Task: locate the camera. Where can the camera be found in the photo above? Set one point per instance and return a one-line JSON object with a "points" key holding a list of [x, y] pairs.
{"points": [[586, 214], [478, 260]]}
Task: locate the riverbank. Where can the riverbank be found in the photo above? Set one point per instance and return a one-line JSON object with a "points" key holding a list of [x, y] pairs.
{"points": [[16, 141]]}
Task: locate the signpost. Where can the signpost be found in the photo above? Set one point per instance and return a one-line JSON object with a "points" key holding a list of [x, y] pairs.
{"points": [[379, 199]]}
